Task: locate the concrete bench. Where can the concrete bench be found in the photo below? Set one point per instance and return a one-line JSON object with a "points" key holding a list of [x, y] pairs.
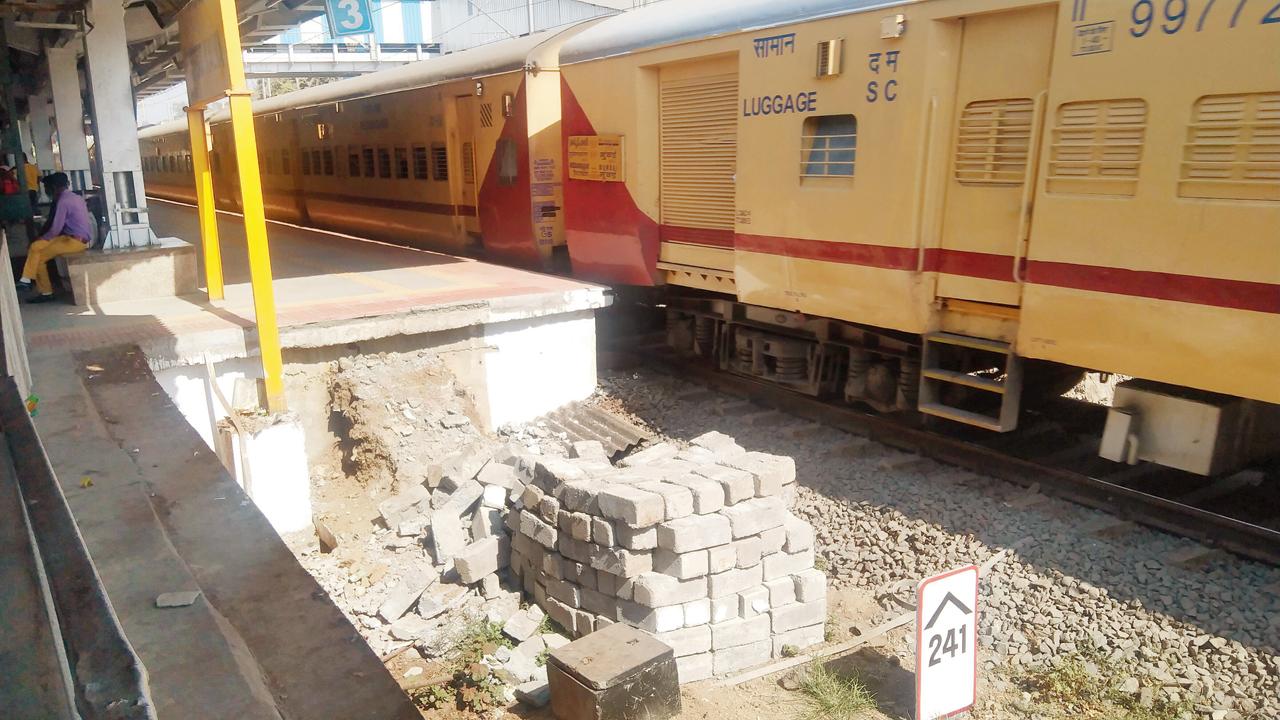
{"points": [[163, 269]]}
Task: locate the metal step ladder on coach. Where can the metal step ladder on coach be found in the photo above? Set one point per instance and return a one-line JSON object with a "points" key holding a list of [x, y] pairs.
{"points": [[952, 362]]}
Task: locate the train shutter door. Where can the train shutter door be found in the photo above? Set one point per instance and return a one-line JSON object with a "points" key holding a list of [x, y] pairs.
{"points": [[1004, 73], [699, 147]]}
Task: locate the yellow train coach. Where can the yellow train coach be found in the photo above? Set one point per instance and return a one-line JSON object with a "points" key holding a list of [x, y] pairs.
{"points": [[928, 205]]}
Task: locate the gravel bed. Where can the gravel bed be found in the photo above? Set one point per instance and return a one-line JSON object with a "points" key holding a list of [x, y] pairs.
{"points": [[1208, 635]]}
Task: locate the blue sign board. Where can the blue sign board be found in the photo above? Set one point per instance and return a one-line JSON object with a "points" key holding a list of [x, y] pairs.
{"points": [[349, 17]]}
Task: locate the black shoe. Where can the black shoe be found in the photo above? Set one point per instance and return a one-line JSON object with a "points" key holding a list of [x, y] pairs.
{"points": [[41, 299], [23, 287]]}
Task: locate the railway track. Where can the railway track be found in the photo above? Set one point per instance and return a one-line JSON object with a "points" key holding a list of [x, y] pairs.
{"points": [[1051, 453]]}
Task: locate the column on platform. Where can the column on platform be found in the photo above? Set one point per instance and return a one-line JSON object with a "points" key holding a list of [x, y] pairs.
{"points": [[73, 146], [116, 126], [40, 120]]}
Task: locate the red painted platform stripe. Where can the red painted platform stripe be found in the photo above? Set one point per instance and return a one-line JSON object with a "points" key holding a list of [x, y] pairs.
{"points": [[696, 236], [1216, 292]]}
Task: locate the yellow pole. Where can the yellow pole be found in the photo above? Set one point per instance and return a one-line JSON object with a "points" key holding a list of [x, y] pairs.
{"points": [[255, 233], [205, 203]]}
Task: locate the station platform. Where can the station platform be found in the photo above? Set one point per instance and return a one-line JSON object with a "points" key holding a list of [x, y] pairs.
{"points": [[125, 416]]}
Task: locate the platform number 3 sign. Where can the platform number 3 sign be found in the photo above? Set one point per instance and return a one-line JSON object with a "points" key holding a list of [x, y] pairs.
{"points": [[349, 17], [946, 643]]}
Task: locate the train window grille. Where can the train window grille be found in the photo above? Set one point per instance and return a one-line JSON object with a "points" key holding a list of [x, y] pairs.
{"points": [[317, 163], [366, 159], [468, 163], [1096, 147], [328, 162], [402, 163], [1232, 149], [439, 162], [421, 166], [508, 162], [306, 162], [384, 163], [353, 163], [285, 168], [993, 142], [829, 145]]}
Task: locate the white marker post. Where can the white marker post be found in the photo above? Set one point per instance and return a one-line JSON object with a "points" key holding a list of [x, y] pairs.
{"points": [[946, 643]]}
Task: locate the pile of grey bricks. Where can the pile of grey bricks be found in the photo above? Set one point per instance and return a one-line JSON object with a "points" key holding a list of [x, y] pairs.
{"points": [[694, 545]]}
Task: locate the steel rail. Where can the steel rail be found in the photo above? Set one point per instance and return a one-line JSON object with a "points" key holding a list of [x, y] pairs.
{"points": [[1212, 529]]}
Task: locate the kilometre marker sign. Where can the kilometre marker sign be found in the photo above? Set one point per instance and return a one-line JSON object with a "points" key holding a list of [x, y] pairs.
{"points": [[946, 643]]}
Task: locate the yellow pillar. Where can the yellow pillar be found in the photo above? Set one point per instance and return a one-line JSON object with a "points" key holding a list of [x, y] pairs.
{"points": [[205, 202], [255, 232]]}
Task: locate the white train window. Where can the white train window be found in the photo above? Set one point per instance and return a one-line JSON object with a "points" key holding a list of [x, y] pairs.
{"points": [[384, 163], [402, 163], [439, 162], [829, 145], [420, 164]]}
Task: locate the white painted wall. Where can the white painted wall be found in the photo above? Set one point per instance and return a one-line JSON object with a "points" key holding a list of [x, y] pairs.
{"points": [[188, 389], [535, 366]]}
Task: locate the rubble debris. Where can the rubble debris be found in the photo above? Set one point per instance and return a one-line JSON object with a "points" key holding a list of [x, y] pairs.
{"points": [[178, 599]]}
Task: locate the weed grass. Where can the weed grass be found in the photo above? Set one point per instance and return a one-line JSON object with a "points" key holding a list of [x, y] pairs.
{"points": [[830, 696], [1087, 686]]}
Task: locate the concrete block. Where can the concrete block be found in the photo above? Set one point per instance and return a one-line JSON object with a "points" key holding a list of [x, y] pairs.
{"points": [[579, 496], [753, 601], [632, 506], [693, 668], [697, 612], [542, 533], [603, 622], [607, 583], [657, 590], [677, 499], [511, 520], [448, 536], [733, 581], [588, 450], [403, 595], [782, 591], [463, 466], [550, 472], [401, 506], [624, 588], [530, 497], [498, 475], [798, 615], [410, 627], [752, 517], [688, 641], [598, 603], [524, 624], [708, 495], [724, 608], [584, 623], [566, 592], [738, 485], [576, 572], [697, 455], [602, 533], [772, 540], [481, 558], [799, 534], [621, 562], [562, 522], [749, 550], [595, 469], [636, 539], [164, 269], [577, 550], [782, 564], [554, 641], [560, 613], [579, 526], [770, 472], [652, 454], [549, 509], [618, 673], [681, 565], [721, 558], [743, 657], [696, 532], [494, 496], [740, 631], [801, 638], [654, 620], [490, 586], [536, 693], [553, 566], [521, 667], [810, 585], [718, 444], [486, 522]]}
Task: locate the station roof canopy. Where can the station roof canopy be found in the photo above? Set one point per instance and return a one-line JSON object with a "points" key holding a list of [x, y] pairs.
{"points": [[151, 27]]}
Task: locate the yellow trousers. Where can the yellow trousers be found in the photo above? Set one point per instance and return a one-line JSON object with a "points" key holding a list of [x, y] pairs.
{"points": [[41, 252]]}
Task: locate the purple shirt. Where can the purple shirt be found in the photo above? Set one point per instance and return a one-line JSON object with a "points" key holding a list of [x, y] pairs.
{"points": [[71, 218]]}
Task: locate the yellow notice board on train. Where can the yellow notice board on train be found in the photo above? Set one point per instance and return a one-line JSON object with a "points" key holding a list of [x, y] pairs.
{"points": [[595, 157]]}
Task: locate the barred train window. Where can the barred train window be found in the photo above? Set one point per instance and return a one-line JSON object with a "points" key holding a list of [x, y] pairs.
{"points": [[439, 162], [420, 171], [828, 146], [353, 163], [306, 162], [328, 162], [384, 163], [366, 156], [316, 163], [285, 169], [402, 163]]}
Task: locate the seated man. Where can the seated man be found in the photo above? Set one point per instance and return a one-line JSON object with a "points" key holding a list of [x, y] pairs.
{"points": [[69, 232]]}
